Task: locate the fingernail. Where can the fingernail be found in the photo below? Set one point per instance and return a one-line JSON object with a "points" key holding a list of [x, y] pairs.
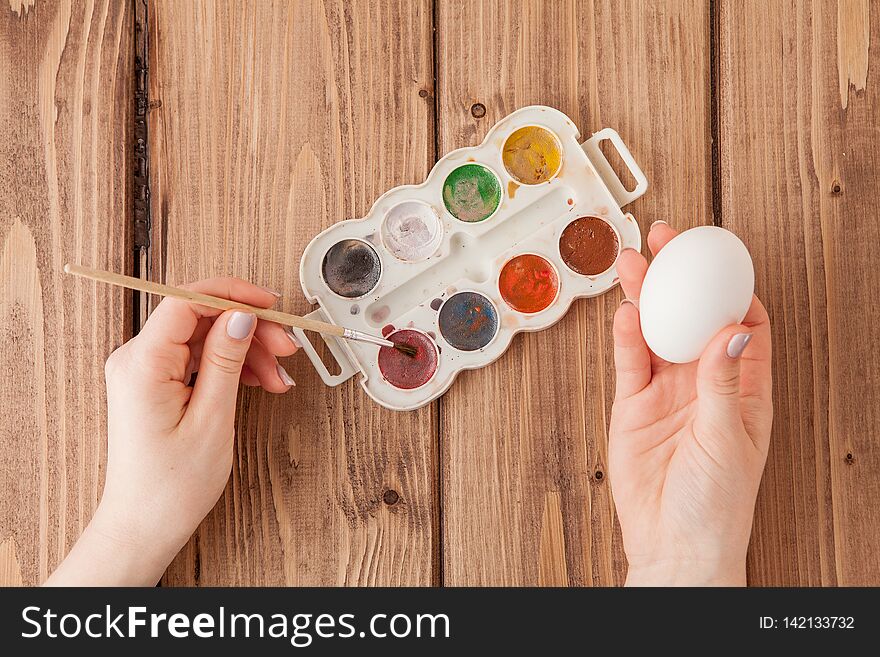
{"points": [[738, 344], [271, 291], [630, 302], [293, 338], [659, 221], [285, 377], [239, 325]]}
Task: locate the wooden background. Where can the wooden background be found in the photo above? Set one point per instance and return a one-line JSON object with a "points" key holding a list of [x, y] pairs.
{"points": [[269, 121]]}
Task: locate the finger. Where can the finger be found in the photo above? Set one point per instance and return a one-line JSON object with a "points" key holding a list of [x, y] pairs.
{"points": [[191, 367], [237, 289], [632, 359], [195, 345], [223, 355], [196, 354], [758, 320], [202, 327], [174, 321], [631, 269], [276, 339], [757, 376], [272, 377], [287, 348], [248, 378], [718, 377], [659, 236]]}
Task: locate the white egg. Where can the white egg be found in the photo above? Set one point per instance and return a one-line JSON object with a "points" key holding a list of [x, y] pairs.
{"points": [[700, 282]]}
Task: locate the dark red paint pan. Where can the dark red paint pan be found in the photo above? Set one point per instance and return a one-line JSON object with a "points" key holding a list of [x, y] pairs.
{"points": [[409, 372]]}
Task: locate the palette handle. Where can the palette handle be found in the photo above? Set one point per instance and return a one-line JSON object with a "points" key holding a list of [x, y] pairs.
{"points": [[346, 367], [606, 172]]}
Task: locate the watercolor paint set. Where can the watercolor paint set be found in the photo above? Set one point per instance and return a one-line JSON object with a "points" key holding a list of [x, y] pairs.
{"points": [[500, 238]]}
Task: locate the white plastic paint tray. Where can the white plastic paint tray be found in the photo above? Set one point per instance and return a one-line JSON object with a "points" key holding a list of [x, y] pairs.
{"points": [[470, 256]]}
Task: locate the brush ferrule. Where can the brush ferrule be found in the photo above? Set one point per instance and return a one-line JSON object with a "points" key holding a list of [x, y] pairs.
{"points": [[360, 336]]}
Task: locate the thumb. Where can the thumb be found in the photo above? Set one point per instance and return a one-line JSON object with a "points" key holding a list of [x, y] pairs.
{"points": [[718, 375], [223, 354]]}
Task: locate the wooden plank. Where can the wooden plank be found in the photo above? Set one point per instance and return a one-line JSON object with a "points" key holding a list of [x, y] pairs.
{"points": [[277, 120], [800, 150], [523, 442], [65, 107]]}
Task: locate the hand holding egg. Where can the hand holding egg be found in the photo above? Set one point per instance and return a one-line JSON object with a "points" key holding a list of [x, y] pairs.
{"points": [[702, 281], [688, 438]]}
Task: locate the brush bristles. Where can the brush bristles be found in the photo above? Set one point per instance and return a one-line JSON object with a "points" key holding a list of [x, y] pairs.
{"points": [[406, 349]]}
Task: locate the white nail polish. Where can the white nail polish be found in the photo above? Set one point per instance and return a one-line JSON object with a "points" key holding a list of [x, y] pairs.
{"points": [[239, 325], [293, 338], [274, 293], [738, 344], [659, 221], [285, 377]]}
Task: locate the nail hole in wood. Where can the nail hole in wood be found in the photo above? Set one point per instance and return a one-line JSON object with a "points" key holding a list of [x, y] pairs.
{"points": [[478, 110], [423, 93], [849, 457], [390, 497], [835, 188], [599, 475]]}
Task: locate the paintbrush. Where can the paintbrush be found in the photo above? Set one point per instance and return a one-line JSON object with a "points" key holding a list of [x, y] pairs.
{"points": [[219, 303]]}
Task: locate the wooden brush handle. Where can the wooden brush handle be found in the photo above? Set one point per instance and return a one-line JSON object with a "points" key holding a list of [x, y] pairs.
{"points": [[219, 303]]}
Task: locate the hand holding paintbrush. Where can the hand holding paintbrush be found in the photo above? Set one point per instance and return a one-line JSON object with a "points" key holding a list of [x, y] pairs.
{"points": [[219, 303]]}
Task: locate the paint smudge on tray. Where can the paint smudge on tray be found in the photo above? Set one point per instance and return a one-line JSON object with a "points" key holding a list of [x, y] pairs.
{"points": [[436, 303], [472, 193], [412, 231], [528, 283], [589, 246], [381, 314], [468, 321], [532, 155], [351, 268], [409, 372]]}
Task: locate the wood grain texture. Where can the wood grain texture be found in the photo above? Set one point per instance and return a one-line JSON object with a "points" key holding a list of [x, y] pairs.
{"points": [[65, 102], [800, 151], [525, 499], [277, 120], [271, 121]]}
